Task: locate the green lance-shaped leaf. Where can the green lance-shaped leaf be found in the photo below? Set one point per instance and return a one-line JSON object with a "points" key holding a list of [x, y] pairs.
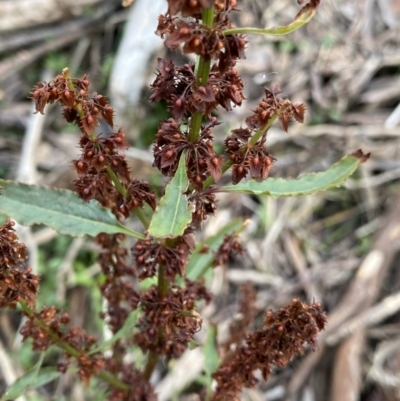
{"points": [[125, 330], [303, 17], [33, 378], [305, 185], [60, 209], [200, 261], [173, 213]]}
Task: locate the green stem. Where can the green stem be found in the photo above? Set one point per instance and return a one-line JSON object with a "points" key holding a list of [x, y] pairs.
{"points": [[151, 364], [142, 217], [118, 184], [254, 139], [107, 377], [114, 381], [78, 106], [163, 284], [202, 72]]}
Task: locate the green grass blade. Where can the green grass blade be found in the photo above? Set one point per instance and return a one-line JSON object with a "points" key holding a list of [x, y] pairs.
{"points": [[33, 378], [199, 261], [305, 185], [126, 329], [211, 356], [30, 381], [173, 213], [60, 209]]}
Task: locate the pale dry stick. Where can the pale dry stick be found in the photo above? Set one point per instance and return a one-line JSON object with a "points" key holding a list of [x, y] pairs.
{"points": [[394, 118], [348, 368], [185, 370], [373, 181], [371, 197], [79, 53], [25, 13], [374, 315], [74, 30], [327, 274], [361, 293], [44, 235], [384, 331], [240, 276], [131, 64], [295, 255], [387, 91], [368, 131], [359, 81], [26, 172], [377, 371], [251, 394], [275, 230]]}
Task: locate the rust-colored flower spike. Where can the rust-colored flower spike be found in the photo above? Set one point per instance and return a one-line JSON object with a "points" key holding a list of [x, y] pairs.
{"points": [[16, 282], [79, 105], [178, 87], [281, 338], [172, 256], [186, 96], [102, 169], [49, 327], [117, 287], [201, 160], [197, 38], [175, 314]]}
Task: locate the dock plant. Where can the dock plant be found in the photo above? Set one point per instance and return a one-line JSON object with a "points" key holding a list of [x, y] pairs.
{"points": [[162, 318]]}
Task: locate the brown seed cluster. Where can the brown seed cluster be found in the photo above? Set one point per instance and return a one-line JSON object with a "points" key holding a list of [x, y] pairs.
{"points": [[171, 254], [118, 286], [281, 338], [79, 105], [102, 169], [170, 321], [201, 160], [16, 282], [186, 96], [198, 38], [254, 159]]}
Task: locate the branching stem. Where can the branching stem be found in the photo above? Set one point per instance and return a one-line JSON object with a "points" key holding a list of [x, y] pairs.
{"points": [[106, 376], [210, 180]]}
